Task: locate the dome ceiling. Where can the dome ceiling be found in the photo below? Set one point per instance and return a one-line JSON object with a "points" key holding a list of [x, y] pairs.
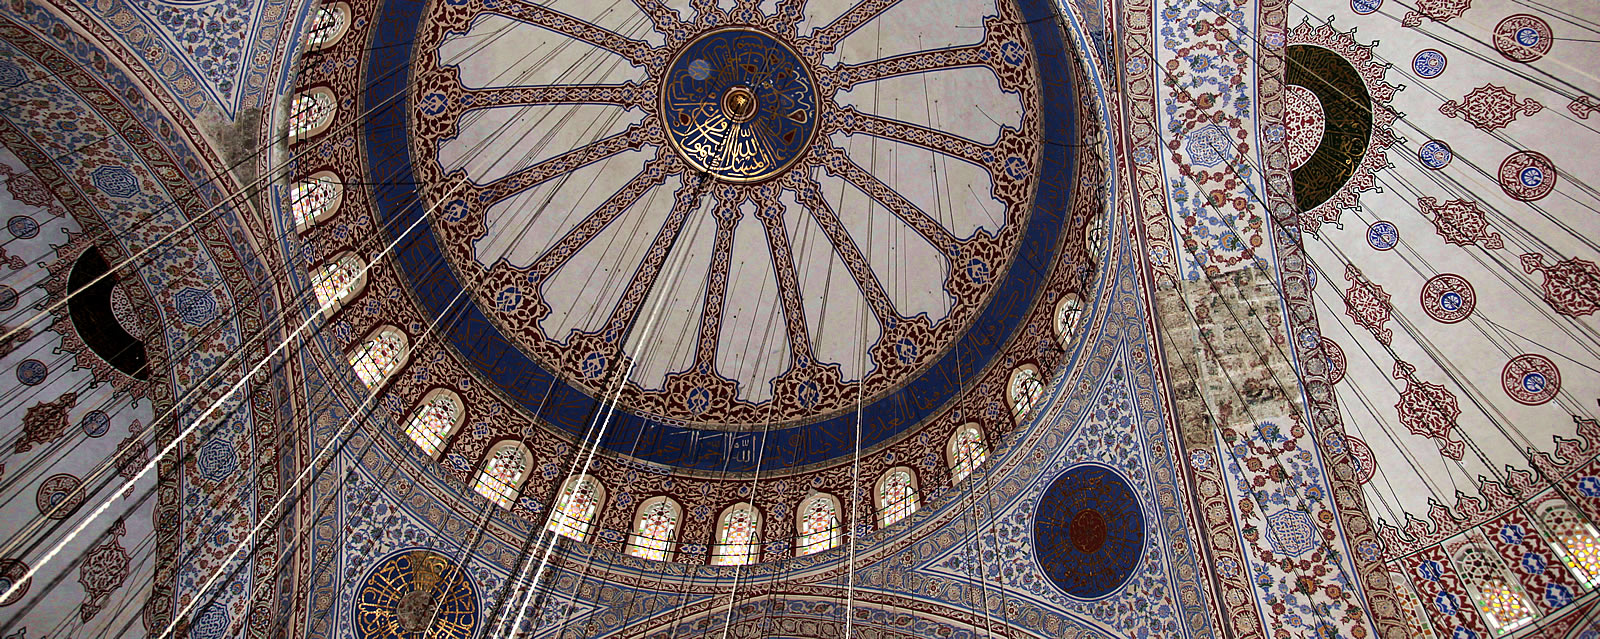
{"points": [[763, 218]]}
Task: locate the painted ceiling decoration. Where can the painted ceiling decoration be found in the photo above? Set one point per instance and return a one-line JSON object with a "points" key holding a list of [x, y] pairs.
{"points": [[469, 319]]}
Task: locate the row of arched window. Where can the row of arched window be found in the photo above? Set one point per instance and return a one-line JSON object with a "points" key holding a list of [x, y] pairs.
{"points": [[311, 111], [1494, 591]]}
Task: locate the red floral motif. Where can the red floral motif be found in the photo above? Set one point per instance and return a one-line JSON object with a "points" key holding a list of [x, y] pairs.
{"points": [[1304, 123], [1571, 286], [1436, 10], [1448, 298], [1336, 361], [45, 421], [28, 189], [1460, 222], [1361, 454], [1429, 410], [1531, 379], [1490, 107], [103, 571], [1367, 304], [1376, 157], [1582, 106]]}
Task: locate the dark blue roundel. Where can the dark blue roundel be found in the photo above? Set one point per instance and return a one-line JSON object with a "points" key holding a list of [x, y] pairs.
{"points": [[739, 104], [1088, 531]]}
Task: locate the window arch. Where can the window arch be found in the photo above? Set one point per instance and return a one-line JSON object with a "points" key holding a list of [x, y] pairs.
{"points": [[966, 452], [1067, 312], [315, 198], [1498, 597], [1096, 236], [338, 281], [654, 528], [328, 25], [1575, 540], [897, 496], [818, 523], [504, 469], [379, 355], [1410, 608], [1025, 390], [738, 534], [576, 507], [310, 113], [435, 419]]}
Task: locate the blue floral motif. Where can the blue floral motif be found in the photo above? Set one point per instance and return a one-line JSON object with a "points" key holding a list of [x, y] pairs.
{"points": [[115, 181]]}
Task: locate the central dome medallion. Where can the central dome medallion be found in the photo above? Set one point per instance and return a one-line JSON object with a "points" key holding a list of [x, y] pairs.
{"points": [[739, 105], [813, 225]]}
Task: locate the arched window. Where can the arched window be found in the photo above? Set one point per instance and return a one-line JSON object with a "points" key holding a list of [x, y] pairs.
{"points": [[435, 420], [897, 496], [310, 113], [653, 529], [576, 507], [1498, 597], [1067, 312], [379, 356], [503, 472], [1574, 539], [1410, 608], [819, 524], [1025, 390], [737, 532], [338, 281], [1096, 236], [328, 25], [966, 452], [315, 198]]}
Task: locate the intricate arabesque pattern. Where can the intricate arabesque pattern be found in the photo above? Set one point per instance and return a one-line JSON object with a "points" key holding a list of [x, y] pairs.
{"points": [[1461, 222], [1429, 410], [1490, 107], [1349, 85], [417, 594], [1571, 286]]}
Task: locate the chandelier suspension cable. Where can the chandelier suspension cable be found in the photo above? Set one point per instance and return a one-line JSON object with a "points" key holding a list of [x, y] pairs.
{"points": [[103, 470], [1526, 452]]}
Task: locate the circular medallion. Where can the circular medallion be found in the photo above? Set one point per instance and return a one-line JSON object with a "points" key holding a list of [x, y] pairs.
{"points": [[22, 227], [95, 424], [407, 589], [1531, 379], [12, 570], [1428, 63], [8, 298], [1522, 37], [32, 372], [1365, 7], [1448, 298], [1383, 235], [59, 496], [1527, 175], [1336, 361], [1088, 531], [1304, 123], [739, 105], [1361, 455], [1435, 154]]}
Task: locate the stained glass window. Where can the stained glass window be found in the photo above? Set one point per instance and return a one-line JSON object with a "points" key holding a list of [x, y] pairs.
{"points": [[575, 509], [1097, 236], [310, 113], [1409, 607], [432, 423], [652, 534], [378, 356], [336, 280], [1067, 313], [819, 525], [897, 497], [1026, 390], [736, 537], [1497, 597], [313, 197], [327, 26], [967, 452], [1575, 541], [502, 474]]}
